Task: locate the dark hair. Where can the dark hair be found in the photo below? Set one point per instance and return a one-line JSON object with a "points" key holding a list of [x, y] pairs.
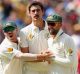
{"points": [[35, 3]]}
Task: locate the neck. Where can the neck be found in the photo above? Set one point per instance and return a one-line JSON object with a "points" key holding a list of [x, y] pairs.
{"points": [[14, 40], [39, 23], [53, 36]]}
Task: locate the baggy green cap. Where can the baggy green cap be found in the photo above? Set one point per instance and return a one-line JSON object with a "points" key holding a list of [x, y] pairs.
{"points": [[9, 26], [54, 18]]}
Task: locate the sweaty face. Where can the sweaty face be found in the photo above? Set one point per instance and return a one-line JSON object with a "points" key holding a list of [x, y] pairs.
{"points": [[36, 12], [54, 27]]}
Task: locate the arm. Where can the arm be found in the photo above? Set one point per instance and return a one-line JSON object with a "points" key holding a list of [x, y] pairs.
{"points": [[11, 53], [70, 58], [31, 57], [23, 42]]}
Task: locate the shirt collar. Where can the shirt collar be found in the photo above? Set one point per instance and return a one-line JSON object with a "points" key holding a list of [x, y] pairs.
{"points": [[36, 28], [59, 34]]}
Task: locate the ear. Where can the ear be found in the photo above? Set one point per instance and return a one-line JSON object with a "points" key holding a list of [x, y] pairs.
{"points": [[4, 33], [60, 25]]}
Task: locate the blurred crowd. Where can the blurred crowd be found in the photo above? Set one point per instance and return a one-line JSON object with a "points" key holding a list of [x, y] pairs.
{"points": [[16, 10]]}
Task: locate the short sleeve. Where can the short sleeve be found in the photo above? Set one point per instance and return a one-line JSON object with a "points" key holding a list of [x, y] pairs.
{"points": [[23, 39], [8, 53]]}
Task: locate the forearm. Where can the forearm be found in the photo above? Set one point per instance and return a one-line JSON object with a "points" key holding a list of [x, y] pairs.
{"points": [[32, 57], [28, 57], [62, 61]]}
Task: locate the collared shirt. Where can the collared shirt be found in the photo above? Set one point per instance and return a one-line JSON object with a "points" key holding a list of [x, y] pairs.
{"points": [[7, 52], [36, 40], [65, 60]]}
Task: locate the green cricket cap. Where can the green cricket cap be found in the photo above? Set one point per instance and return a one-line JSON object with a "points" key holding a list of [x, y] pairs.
{"points": [[54, 18], [9, 26]]}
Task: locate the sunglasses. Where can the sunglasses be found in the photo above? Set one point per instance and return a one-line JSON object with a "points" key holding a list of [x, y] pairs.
{"points": [[53, 23]]}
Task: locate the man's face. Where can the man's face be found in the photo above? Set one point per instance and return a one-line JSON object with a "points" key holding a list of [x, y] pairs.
{"points": [[54, 27], [36, 13], [11, 35]]}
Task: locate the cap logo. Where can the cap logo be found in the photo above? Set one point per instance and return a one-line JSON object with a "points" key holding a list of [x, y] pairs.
{"points": [[50, 17], [7, 24]]}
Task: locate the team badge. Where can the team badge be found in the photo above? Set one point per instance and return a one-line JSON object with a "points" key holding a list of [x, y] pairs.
{"points": [[70, 51], [10, 49], [30, 36]]}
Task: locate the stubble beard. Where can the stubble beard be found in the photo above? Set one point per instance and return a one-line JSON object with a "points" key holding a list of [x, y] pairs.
{"points": [[53, 32]]}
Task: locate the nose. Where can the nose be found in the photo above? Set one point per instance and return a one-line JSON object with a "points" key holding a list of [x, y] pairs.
{"points": [[50, 27], [36, 12]]}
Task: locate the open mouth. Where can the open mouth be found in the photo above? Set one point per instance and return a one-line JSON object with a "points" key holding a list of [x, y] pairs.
{"points": [[10, 35]]}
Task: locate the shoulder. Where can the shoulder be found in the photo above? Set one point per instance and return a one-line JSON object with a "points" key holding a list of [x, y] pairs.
{"points": [[2, 47], [25, 29], [4, 42], [68, 40], [66, 36]]}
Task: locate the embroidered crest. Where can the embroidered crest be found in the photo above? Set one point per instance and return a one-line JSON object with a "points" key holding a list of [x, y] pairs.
{"points": [[30, 36], [50, 17], [8, 24], [10, 49], [70, 51]]}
